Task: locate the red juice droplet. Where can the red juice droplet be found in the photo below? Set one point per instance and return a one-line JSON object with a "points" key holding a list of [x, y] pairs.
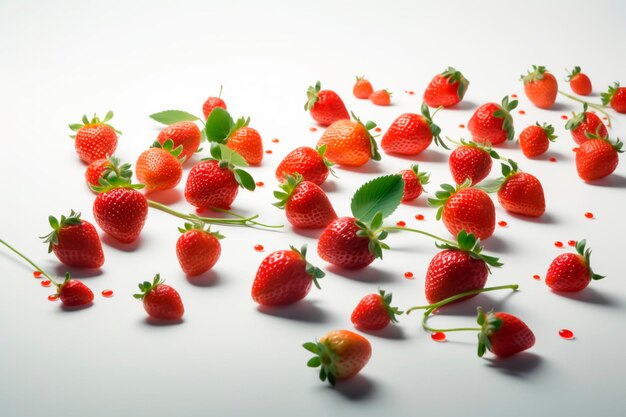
{"points": [[438, 336], [564, 117], [107, 293], [37, 274], [275, 140], [313, 129], [605, 118], [558, 244], [258, 248], [377, 129], [46, 283], [589, 215], [502, 223], [513, 95], [462, 126], [52, 297], [260, 183], [269, 151], [401, 223], [537, 277], [419, 217], [566, 334], [411, 92], [408, 275], [552, 159], [522, 112], [571, 242]]}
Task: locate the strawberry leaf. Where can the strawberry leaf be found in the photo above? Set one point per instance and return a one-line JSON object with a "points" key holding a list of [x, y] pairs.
{"points": [[169, 117], [380, 194], [219, 125], [244, 179]]}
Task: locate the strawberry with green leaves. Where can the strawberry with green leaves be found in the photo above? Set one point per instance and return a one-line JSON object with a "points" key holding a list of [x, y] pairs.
{"points": [[197, 248], [520, 192], [95, 138], [325, 106], [571, 272], [414, 180], [471, 160], [597, 157], [350, 142], [411, 134], [446, 89], [306, 161], [306, 205], [540, 87], [535, 139], [160, 301], [374, 312], [160, 167], [615, 97], [492, 123], [584, 124], [181, 129], [579, 82], [107, 168], [237, 135], [212, 103]]}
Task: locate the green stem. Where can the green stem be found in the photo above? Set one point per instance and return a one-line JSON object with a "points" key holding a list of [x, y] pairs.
{"points": [[29, 261], [457, 329], [596, 106], [251, 221], [431, 307], [408, 229]]}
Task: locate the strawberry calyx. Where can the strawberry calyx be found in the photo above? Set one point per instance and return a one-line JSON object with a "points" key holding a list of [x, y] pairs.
{"points": [[422, 177], [314, 272], [373, 232], [220, 126], [287, 186], [573, 73], [577, 118], [200, 226], [548, 129], [369, 125], [469, 243], [168, 146], [391, 311], [586, 254], [608, 96], [115, 176], [455, 76], [434, 129], [231, 160], [504, 112], [489, 324], [95, 120], [52, 238], [442, 196], [326, 358], [485, 147], [147, 286], [312, 95], [61, 285], [321, 150], [617, 145], [537, 74]]}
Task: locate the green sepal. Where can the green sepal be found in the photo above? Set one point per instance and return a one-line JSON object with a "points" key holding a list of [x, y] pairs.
{"points": [[548, 130], [469, 243], [168, 146], [314, 272], [422, 177], [312, 95], [52, 238], [95, 120], [287, 186], [147, 286], [169, 117], [442, 196], [537, 73], [369, 125], [489, 324], [115, 175], [572, 74], [456, 76], [200, 226], [372, 231], [608, 96], [231, 160], [577, 118], [434, 129], [325, 358], [586, 254], [382, 194], [504, 112], [391, 311]]}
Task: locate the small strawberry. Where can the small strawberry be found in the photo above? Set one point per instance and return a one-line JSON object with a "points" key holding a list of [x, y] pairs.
{"points": [[185, 134], [374, 312], [585, 123], [211, 103], [503, 334], [306, 161], [160, 167], [215, 182], [73, 293], [106, 168], [237, 135], [597, 157], [284, 277], [413, 182], [349, 143], [75, 242], [411, 133], [615, 97], [535, 139], [579, 82], [492, 123], [540, 87], [306, 205], [571, 272], [362, 88], [446, 89], [340, 353], [160, 300], [471, 160], [520, 192], [197, 249], [381, 97], [325, 106], [95, 170], [94, 139]]}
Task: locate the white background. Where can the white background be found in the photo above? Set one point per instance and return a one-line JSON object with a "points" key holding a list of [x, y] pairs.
{"points": [[59, 60]]}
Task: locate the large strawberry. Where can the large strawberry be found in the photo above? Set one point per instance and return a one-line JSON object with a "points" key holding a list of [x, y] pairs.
{"points": [[211, 103], [284, 277], [237, 135], [535, 139], [446, 89], [492, 123], [95, 138], [571, 272], [583, 124], [349, 142], [520, 192], [597, 157], [306, 161], [579, 82], [471, 160], [75, 241], [197, 248], [306, 205], [362, 88], [540, 87], [160, 167], [374, 312], [325, 106], [411, 133], [160, 300], [503, 334], [183, 133], [341, 354], [615, 97], [413, 182]]}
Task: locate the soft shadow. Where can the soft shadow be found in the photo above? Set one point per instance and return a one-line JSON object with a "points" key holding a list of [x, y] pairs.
{"points": [[151, 321], [356, 388], [312, 233], [613, 180], [371, 167], [390, 332], [166, 196], [303, 310], [207, 279], [545, 218], [463, 105], [116, 244], [61, 269], [495, 243], [552, 154], [330, 186], [195, 158], [75, 308], [421, 201], [427, 155], [507, 144], [369, 274], [589, 295], [518, 366]]}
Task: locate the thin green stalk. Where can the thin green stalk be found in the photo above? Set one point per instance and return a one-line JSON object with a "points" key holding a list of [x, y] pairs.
{"points": [[29, 261], [408, 229], [431, 307], [251, 221], [596, 106]]}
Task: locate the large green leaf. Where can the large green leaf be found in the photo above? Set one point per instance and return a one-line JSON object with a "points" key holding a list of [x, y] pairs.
{"points": [[380, 194], [169, 117], [218, 125]]}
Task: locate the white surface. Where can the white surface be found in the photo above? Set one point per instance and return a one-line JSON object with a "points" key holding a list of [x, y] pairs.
{"points": [[62, 59]]}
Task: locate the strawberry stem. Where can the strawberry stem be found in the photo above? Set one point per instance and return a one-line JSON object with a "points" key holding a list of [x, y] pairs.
{"points": [[29, 261], [407, 229], [596, 106], [457, 329], [432, 307], [249, 219]]}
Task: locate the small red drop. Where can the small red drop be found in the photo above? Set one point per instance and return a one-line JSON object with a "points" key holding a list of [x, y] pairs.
{"points": [[46, 283], [438, 336], [566, 334], [462, 126], [605, 118], [52, 297], [377, 129], [564, 117], [260, 184], [408, 275], [513, 95], [571, 242], [275, 140], [37, 274], [107, 293], [401, 223], [558, 244], [419, 216], [552, 159], [589, 215], [313, 129], [411, 92], [268, 151], [502, 223], [521, 112], [537, 277], [258, 248]]}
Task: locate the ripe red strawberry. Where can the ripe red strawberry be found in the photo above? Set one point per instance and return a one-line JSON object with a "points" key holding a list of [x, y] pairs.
{"points": [[411, 133], [471, 160], [492, 123], [95, 170], [73, 293], [75, 242], [579, 82], [160, 300], [381, 97], [185, 134], [465, 207], [340, 353], [535, 139], [446, 89], [237, 135], [520, 192], [584, 124], [160, 167], [362, 88], [374, 312], [108, 169], [306, 161], [349, 143], [597, 158], [503, 334], [540, 87], [306, 205], [571, 271], [211, 103], [340, 245], [284, 277], [197, 249], [94, 139], [615, 97], [325, 106], [215, 182], [413, 182]]}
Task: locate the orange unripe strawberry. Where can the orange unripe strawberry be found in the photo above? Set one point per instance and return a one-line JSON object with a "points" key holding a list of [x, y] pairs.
{"points": [[349, 143], [540, 87], [247, 142], [159, 168]]}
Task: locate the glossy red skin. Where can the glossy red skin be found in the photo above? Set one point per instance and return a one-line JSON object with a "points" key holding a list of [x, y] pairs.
{"points": [[580, 84], [440, 92], [74, 293], [209, 186], [158, 169], [329, 108], [470, 209], [340, 246], [210, 104], [371, 313], [596, 159], [409, 134], [353, 350], [281, 279], [533, 141], [121, 213], [305, 161], [412, 185], [469, 162], [522, 193], [589, 125], [542, 93], [453, 272], [513, 337], [308, 207], [95, 142], [380, 98], [485, 127], [248, 143], [568, 272], [185, 134], [618, 102], [197, 251], [163, 302], [362, 88], [94, 171], [79, 246]]}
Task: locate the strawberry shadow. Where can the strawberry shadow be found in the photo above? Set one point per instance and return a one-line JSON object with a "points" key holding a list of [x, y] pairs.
{"points": [[206, 279], [495, 244], [75, 308], [428, 155], [311, 233], [390, 332], [116, 244], [545, 218], [589, 295], [166, 196], [303, 310], [367, 275], [463, 105], [519, 366], [560, 106], [371, 167], [613, 180], [356, 388], [61, 269], [330, 186], [151, 321]]}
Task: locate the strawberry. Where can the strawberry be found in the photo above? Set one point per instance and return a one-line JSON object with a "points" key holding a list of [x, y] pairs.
{"points": [[579, 82], [374, 312], [381, 97], [535, 139], [238, 136], [215, 182], [211, 103], [306, 204], [306, 161], [520, 192], [465, 207], [197, 249], [185, 134], [107, 168], [340, 353], [94, 139], [73, 293], [492, 123], [362, 88], [446, 89], [471, 160], [503, 334], [160, 300], [325, 106], [160, 167], [585, 123], [339, 244], [540, 87], [571, 272], [615, 97], [597, 157], [95, 170], [349, 143], [75, 242], [411, 133], [284, 277], [413, 182]]}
